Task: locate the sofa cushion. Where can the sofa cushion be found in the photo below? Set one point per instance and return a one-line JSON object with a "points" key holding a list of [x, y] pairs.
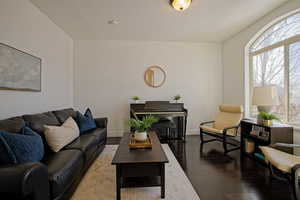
{"points": [[38, 121], [12, 125], [59, 136], [63, 115], [63, 168], [99, 133], [27, 146], [85, 122], [85, 143]]}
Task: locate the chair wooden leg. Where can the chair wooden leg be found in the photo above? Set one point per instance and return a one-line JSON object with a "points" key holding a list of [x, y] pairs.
{"points": [[225, 145], [271, 171], [295, 184], [274, 175], [295, 187], [201, 137], [201, 147], [292, 179]]}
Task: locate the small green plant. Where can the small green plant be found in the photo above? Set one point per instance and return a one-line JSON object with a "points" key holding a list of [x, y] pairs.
{"points": [[177, 97], [142, 125], [267, 116], [135, 98]]}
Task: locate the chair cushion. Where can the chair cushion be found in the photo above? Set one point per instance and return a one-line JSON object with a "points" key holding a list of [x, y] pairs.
{"points": [[12, 125], [229, 116], [85, 122], [99, 133], [217, 131], [63, 115], [211, 129], [63, 168], [59, 136], [85, 143], [281, 160], [27, 146], [231, 108]]}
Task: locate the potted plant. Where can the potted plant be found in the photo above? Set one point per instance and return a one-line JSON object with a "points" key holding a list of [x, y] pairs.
{"points": [[141, 126], [177, 98], [135, 98], [267, 118]]}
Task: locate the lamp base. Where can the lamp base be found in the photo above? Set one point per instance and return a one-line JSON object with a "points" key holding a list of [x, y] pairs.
{"points": [[266, 109]]}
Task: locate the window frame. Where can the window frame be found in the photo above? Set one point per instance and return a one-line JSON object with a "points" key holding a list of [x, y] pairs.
{"points": [[249, 73]]}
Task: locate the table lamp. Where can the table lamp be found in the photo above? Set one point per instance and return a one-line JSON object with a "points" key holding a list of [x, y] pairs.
{"points": [[265, 98]]}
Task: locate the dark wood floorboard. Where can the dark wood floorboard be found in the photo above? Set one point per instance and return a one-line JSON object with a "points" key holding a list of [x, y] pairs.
{"points": [[219, 177]]}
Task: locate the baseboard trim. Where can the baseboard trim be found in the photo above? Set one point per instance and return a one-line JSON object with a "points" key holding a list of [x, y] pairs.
{"points": [[115, 133], [192, 132]]}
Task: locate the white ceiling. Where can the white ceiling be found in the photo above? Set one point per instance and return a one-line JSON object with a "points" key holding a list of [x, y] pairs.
{"points": [[155, 20]]}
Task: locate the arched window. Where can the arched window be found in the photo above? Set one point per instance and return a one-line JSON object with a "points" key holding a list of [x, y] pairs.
{"points": [[275, 60]]}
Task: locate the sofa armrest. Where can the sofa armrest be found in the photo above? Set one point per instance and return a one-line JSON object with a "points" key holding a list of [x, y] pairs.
{"points": [[101, 122], [25, 179]]}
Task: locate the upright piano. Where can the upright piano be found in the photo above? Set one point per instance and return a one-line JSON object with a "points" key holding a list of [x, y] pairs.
{"points": [[163, 109]]}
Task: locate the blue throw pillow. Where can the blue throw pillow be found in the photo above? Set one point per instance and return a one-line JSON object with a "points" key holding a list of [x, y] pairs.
{"points": [[17, 148], [85, 122]]}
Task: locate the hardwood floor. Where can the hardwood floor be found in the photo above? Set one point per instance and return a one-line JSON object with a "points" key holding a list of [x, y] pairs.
{"points": [[218, 177]]}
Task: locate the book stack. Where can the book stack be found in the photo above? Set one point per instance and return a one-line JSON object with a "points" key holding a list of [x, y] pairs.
{"points": [[260, 132]]}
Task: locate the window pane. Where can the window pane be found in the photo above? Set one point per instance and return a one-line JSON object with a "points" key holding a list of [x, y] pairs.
{"points": [[294, 78], [284, 29], [268, 69]]}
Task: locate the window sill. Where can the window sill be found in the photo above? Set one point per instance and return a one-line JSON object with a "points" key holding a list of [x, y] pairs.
{"points": [[295, 126]]}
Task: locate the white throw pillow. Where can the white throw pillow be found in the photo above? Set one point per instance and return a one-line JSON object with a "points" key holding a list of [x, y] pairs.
{"points": [[59, 136]]}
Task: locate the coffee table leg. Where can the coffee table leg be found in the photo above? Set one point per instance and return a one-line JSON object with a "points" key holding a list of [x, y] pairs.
{"points": [[162, 180], [118, 180]]}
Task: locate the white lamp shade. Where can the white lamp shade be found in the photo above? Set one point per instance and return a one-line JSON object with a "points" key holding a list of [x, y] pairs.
{"points": [[265, 96]]}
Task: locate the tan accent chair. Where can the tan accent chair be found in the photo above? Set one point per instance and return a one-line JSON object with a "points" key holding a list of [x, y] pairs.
{"points": [[287, 164], [225, 126]]}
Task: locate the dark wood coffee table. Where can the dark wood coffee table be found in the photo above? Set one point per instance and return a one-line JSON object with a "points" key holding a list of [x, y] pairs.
{"points": [[140, 167]]}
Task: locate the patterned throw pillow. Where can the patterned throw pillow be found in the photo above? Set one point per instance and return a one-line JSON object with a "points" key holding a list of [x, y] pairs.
{"points": [[17, 148], [85, 122]]}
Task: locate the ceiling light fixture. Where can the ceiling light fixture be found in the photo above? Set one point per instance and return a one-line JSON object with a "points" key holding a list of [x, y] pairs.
{"points": [[180, 5], [113, 22]]}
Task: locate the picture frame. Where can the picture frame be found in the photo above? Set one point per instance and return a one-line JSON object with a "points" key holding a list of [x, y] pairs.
{"points": [[19, 70]]}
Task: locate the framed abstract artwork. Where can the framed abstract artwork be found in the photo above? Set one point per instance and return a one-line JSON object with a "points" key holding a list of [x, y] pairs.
{"points": [[19, 70]]}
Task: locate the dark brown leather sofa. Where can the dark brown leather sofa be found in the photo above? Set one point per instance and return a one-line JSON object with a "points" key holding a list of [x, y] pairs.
{"points": [[58, 174]]}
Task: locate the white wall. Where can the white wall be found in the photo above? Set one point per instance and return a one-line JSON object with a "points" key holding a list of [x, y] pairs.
{"points": [[109, 73], [234, 56], [24, 27]]}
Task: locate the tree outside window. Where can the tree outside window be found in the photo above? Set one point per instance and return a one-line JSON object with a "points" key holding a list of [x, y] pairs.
{"points": [[275, 60]]}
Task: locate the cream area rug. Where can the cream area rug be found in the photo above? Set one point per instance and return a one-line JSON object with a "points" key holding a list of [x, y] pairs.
{"points": [[99, 182]]}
